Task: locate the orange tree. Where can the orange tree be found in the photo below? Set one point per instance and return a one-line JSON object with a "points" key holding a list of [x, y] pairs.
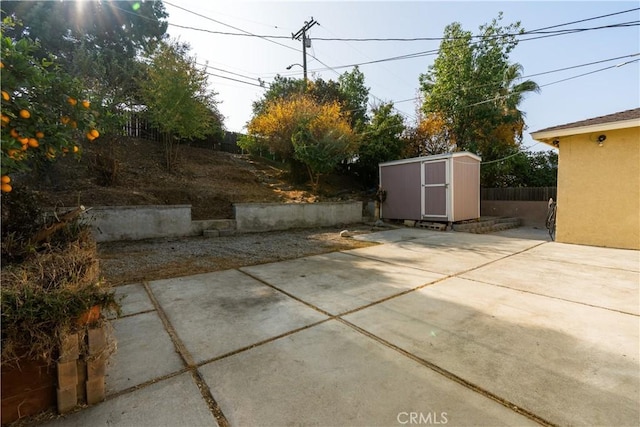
{"points": [[44, 113]]}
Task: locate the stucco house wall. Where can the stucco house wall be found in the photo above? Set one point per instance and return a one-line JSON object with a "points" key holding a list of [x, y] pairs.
{"points": [[598, 181], [599, 190]]}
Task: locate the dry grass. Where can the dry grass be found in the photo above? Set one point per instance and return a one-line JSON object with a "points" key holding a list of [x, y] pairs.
{"points": [[43, 296]]}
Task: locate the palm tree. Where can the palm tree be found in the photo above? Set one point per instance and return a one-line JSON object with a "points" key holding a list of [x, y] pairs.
{"points": [[511, 94]]}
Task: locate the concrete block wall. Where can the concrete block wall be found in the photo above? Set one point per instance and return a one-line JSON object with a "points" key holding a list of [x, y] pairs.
{"points": [[81, 377], [140, 222], [113, 223], [258, 217], [530, 213]]}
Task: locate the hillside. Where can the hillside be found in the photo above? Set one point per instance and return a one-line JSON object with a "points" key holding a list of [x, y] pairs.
{"points": [[132, 172]]}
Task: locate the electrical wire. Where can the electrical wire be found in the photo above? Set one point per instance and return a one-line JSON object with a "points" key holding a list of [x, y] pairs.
{"points": [[231, 26]]}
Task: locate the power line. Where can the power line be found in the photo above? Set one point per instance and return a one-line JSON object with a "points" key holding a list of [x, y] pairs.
{"points": [[542, 31], [591, 72], [587, 19], [552, 83], [229, 72], [415, 39], [411, 55], [231, 26]]}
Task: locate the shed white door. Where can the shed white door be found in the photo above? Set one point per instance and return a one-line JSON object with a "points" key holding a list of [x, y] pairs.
{"points": [[435, 189]]}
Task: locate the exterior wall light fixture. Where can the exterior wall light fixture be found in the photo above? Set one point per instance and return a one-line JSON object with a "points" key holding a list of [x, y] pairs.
{"points": [[601, 139]]}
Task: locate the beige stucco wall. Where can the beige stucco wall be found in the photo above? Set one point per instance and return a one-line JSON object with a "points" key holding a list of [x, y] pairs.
{"points": [[599, 189]]}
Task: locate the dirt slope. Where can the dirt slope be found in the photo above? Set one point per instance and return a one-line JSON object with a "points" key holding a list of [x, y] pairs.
{"points": [[133, 172]]}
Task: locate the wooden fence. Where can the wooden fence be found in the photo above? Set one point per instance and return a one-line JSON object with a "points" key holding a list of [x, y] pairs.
{"points": [[136, 126], [519, 193]]}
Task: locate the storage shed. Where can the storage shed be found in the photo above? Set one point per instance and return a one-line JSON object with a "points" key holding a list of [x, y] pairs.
{"points": [[444, 187]]}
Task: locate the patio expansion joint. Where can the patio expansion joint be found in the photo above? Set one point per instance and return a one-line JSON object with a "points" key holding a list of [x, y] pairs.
{"points": [[431, 283], [449, 375], [191, 366], [263, 342], [552, 297]]}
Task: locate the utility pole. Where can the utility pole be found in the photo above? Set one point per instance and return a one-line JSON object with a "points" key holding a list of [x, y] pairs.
{"points": [[306, 42]]}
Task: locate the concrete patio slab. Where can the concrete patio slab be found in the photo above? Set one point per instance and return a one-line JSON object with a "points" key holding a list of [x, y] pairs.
{"points": [[568, 363], [623, 259], [476, 242], [133, 299], [525, 232], [393, 235], [173, 402], [452, 239], [331, 375], [601, 287], [218, 313], [145, 352], [339, 282], [415, 254]]}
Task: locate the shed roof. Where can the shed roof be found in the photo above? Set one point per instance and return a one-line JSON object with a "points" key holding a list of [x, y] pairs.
{"points": [[620, 120], [434, 157]]}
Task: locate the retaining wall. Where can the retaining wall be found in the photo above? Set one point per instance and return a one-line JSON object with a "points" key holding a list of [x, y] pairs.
{"points": [[111, 223], [530, 213], [256, 217]]}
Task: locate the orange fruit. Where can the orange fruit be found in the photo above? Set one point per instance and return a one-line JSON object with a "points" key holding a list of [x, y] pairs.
{"points": [[89, 136], [95, 133], [24, 147], [5, 96], [75, 149], [74, 124], [25, 114], [6, 188], [5, 119], [14, 133], [1, 65], [33, 143], [86, 104], [24, 140], [72, 101], [12, 153], [39, 135], [5, 179], [64, 120]]}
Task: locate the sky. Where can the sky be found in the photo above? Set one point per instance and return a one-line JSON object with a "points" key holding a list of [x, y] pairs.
{"points": [[251, 60]]}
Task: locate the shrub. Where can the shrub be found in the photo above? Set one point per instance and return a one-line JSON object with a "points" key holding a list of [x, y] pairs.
{"points": [[46, 286]]}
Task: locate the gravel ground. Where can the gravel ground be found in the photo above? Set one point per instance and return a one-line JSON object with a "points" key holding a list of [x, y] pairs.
{"points": [[152, 259]]}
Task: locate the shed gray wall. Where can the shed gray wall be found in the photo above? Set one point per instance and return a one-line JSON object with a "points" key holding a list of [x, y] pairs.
{"points": [[403, 185], [466, 188]]}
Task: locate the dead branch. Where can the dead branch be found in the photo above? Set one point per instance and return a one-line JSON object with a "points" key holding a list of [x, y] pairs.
{"points": [[65, 219]]}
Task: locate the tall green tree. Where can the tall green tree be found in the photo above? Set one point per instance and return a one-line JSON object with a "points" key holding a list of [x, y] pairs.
{"points": [[381, 141], [356, 95], [472, 86], [178, 100]]}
